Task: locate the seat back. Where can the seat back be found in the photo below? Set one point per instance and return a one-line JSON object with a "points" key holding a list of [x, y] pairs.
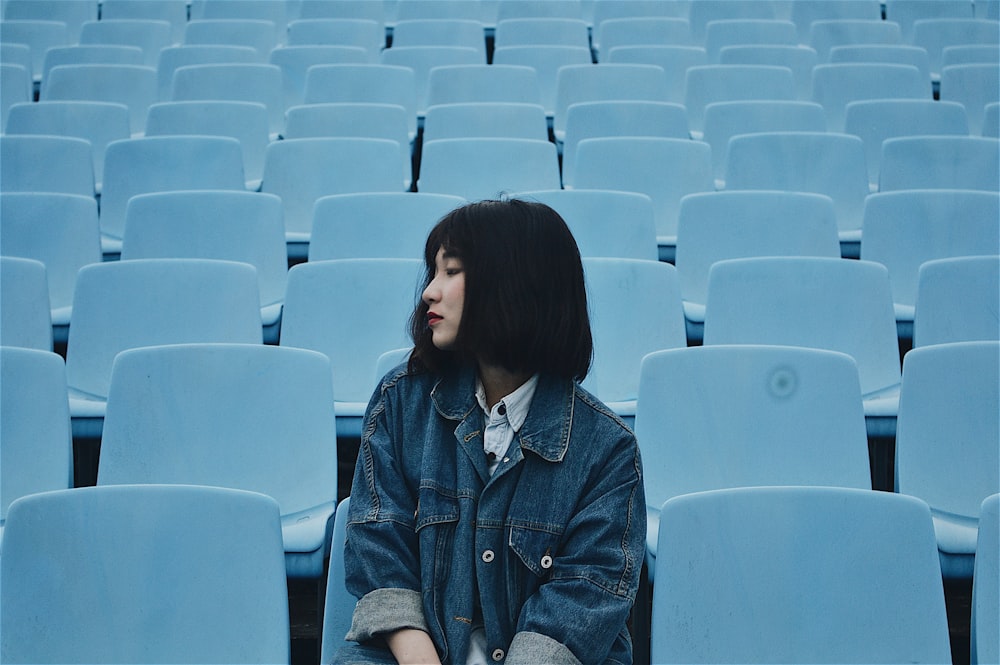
{"points": [[440, 32], [835, 85], [93, 54], [895, 54], [259, 83], [369, 84], [260, 35], [422, 59], [721, 550], [366, 33], [338, 604], [956, 300], [733, 32], [986, 585], [16, 88], [589, 83], [150, 35], [486, 120], [936, 34], [726, 83], [940, 162], [45, 163], [804, 14], [703, 12], [174, 12], [907, 12], [485, 168], [800, 59], [824, 35], [190, 574], [25, 318], [131, 85], [546, 60], [74, 13], [974, 86], [541, 31], [612, 33], [496, 83], [174, 57], [40, 36], [295, 62]]}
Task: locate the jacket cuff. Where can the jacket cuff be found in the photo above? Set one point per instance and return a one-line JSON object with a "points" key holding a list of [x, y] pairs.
{"points": [[534, 648], [385, 611]]}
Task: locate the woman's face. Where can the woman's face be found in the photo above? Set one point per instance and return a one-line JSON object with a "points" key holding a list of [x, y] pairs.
{"points": [[445, 298]]}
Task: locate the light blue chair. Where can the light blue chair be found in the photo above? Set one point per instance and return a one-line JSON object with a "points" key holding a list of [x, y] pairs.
{"points": [[968, 54], [366, 84], [894, 54], [935, 35], [940, 162], [485, 168], [496, 83], [541, 31], [16, 86], [410, 10], [261, 36], [646, 295], [121, 305], [716, 226], [905, 229], [588, 120], [747, 31], [390, 360], [36, 442], [251, 417], [817, 162], [275, 12], [422, 59], [805, 14], [546, 60], [188, 574], [239, 82], [346, 9], [600, 11], [947, 450], [991, 120], [728, 83], [174, 12], [508, 10], [184, 55], [338, 605], [131, 85], [389, 225], [486, 120], [834, 86], [92, 54], [986, 585], [61, 231], [354, 120], [800, 59], [974, 86], [604, 222], [703, 12], [875, 120], [814, 302], [147, 34], [791, 416], [674, 60], [100, 123], [39, 36], [25, 318], [220, 224], [724, 120], [440, 32], [71, 12], [295, 61], [956, 301], [663, 169], [988, 9], [325, 301], [44, 163], [824, 35], [907, 12], [364, 33], [301, 171], [613, 33], [161, 164], [755, 549]]}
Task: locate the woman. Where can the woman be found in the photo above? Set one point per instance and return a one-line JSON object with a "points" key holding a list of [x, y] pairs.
{"points": [[497, 511]]}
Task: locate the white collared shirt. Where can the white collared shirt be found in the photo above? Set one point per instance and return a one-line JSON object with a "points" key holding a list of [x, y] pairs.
{"points": [[504, 419]]}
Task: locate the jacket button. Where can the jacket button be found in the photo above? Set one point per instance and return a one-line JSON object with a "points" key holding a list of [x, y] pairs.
{"points": [[498, 655], [488, 556], [546, 562]]}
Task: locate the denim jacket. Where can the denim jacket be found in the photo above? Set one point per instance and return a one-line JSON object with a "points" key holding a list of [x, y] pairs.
{"points": [[552, 543]]}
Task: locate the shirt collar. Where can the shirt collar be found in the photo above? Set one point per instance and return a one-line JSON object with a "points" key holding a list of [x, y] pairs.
{"points": [[515, 405]]}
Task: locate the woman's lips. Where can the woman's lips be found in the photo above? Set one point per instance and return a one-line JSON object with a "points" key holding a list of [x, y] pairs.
{"points": [[433, 317]]}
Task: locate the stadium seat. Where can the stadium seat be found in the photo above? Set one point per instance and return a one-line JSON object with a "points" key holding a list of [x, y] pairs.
{"points": [[835, 86], [25, 317], [174, 12], [187, 574], [991, 120], [221, 224], [409, 10], [45, 163], [940, 162], [92, 54], [974, 86], [341, 9], [967, 54], [800, 59], [947, 450], [893, 54], [601, 11], [935, 35], [366, 84], [148, 35], [640, 31], [805, 14], [459, 84], [39, 36], [364, 33], [721, 550], [728, 83], [906, 12], [745, 32], [703, 12], [175, 57], [985, 646], [546, 60], [295, 62], [120, 305], [542, 31], [528, 9], [243, 416], [956, 301], [240, 82], [389, 225], [15, 88], [131, 85], [486, 120], [338, 604], [674, 60], [440, 32], [422, 59], [73, 13], [262, 36], [824, 35], [325, 301], [716, 226], [485, 168], [275, 12]]}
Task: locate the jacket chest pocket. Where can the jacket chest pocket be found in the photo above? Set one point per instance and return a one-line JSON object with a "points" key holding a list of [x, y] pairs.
{"points": [[535, 549]]}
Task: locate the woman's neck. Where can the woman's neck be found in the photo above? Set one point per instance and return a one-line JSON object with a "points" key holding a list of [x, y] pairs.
{"points": [[499, 382]]}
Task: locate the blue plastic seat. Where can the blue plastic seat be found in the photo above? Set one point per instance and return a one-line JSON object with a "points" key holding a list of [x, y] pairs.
{"points": [[146, 34], [244, 416], [12, 53], [363, 33], [717, 417], [834, 86], [674, 60], [716, 226], [646, 295], [486, 120], [301, 171], [935, 35], [390, 225], [15, 88], [588, 120], [601, 11], [325, 301], [991, 120], [73, 13], [613, 33], [92, 54], [974, 86], [338, 604], [121, 305], [275, 12], [546, 60], [225, 225], [25, 319], [805, 14], [905, 229], [894, 54], [366, 84], [260, 35], [295, 62], [174, 12], [956, 300], [988, 9], [947, 450], [187, 574], [60, 230], [527, 9], [258, 83], [875, 120], [175, 57], [757, 548], [824, 35], [409, 10], [541, 31], [349, 9], [440, 32], [703, 12], [458, 84], [818, 302], [39, 36], [36, 442], [605, 223], [663, 169], [906, 12], [968, 54], [422, 59], [985, 647], [940, 162], [728, 83], [800, 59], [748, 31], [817, 162], [161, 164], [131, 85], [45, 163], [485, 168]]}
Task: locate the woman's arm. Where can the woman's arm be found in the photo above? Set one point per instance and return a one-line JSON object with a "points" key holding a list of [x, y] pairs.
{"points": [[412, 647]]}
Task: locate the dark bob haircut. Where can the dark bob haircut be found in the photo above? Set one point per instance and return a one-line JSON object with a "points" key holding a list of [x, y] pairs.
{"points": [[525, 306]]}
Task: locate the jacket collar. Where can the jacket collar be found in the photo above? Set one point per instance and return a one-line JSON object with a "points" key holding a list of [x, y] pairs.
{"points": [[546, 430]]}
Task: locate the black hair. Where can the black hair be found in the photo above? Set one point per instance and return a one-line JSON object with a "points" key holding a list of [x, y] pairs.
{"points": [[525, 306]]}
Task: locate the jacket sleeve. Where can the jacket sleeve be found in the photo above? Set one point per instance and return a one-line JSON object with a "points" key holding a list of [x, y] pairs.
{"points": [[585, 602], [381, 555]]}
